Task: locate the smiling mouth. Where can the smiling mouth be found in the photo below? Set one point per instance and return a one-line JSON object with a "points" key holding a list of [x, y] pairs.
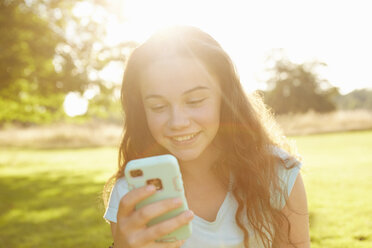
{"points": [[184, 137]]}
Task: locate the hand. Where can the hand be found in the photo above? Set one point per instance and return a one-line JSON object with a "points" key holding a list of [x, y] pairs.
{"points": [[131, 230]]}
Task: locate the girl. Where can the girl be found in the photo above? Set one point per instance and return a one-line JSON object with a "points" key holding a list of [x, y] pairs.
{"points": [[181, 95]]}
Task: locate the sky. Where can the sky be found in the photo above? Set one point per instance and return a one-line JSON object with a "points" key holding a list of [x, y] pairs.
{"points": [[337, 33], [334, 32]]}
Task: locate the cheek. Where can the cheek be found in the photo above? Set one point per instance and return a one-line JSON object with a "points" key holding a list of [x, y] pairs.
{"points": [[214, 111], [209, 116], [155, 123]]}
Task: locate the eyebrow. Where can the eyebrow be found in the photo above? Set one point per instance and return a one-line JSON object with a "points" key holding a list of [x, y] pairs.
{"points": [[186, 92]]}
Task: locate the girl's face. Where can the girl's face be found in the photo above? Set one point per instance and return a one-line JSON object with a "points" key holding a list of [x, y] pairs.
{"points": [[182, 105]]}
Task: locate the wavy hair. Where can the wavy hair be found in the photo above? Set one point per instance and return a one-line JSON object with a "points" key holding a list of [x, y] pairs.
{"points": [[246, 133]]}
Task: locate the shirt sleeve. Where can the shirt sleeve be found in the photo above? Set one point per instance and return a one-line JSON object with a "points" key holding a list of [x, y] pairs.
{"points": [[118, 191], [287, 177]]}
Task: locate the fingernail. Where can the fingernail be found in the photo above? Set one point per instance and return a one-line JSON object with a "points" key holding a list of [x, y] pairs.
{"points": [[150, 188], [189, 214], [177, 201]]}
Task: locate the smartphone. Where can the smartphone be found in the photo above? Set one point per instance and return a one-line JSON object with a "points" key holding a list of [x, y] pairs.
{"points": [[164, 173]]}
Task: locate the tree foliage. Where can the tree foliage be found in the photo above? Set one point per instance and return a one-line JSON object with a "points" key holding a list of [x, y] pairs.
{"points": [[296, 88], [47, 51], [357, 99], [27, 48]]}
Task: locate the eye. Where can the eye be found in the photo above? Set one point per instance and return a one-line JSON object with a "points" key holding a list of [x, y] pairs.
{"points": [[158, 108], [195, 102]]}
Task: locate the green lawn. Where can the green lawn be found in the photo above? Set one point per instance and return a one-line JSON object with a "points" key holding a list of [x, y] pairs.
{"points": [[51, 198], [338, 178]]}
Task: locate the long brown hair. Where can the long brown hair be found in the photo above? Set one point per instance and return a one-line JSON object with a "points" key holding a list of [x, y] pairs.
{"points": [[247, 130]]}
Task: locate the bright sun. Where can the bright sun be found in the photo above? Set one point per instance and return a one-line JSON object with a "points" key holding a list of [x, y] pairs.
{"points": [[132, 20], [142, 17], [249, 30], [75, 105]]}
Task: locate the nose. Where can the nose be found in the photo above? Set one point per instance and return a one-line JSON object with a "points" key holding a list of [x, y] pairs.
{"points": [[179, 119]]}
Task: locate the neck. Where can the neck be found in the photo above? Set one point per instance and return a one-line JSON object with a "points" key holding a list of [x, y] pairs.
{"points": [[200, 169]]}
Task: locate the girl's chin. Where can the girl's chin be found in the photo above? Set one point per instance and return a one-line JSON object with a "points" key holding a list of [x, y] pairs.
{"points": [[186, 156]]}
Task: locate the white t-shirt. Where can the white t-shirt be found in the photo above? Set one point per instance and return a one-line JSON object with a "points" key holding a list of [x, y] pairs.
{"points": [[223, 232]]}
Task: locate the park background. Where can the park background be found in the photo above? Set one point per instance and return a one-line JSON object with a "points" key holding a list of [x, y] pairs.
{"points": [[61, 64]]}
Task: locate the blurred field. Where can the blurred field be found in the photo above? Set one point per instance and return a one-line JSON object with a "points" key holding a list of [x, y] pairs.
{"points": [[51, 198], [98, 134], [62, 135], [313, 123]]}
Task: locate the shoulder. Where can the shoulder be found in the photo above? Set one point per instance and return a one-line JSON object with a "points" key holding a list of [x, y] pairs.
{"points": [[121, 187], [121, 182], [287, 171], [288, 159], [118, 191]]}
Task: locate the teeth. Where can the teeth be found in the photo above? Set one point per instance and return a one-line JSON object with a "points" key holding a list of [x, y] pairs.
{"points": [[183, 138]]}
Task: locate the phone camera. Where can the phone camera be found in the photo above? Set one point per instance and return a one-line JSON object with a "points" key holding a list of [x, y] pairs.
{"points": [[156, 182], [136, 173]]}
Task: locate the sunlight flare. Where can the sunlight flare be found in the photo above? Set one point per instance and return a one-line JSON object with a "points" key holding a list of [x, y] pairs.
{"points": [[75, 104]]}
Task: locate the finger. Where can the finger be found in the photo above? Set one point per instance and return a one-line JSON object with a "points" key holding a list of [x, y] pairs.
{"points": [[129, 201], [137, 241], [175, 244], [143, 215], [157, 231]]}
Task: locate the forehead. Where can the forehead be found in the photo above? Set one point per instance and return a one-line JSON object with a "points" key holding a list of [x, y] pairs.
{"points": [[176, 76]]}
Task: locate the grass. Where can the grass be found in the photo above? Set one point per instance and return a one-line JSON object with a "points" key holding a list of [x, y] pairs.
{"points": [[51, 198], [338, 179]]}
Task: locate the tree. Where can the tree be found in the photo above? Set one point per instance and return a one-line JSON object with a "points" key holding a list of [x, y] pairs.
{"points": [[295, 88], [26, 65], [40, 62], [357, 99]]}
